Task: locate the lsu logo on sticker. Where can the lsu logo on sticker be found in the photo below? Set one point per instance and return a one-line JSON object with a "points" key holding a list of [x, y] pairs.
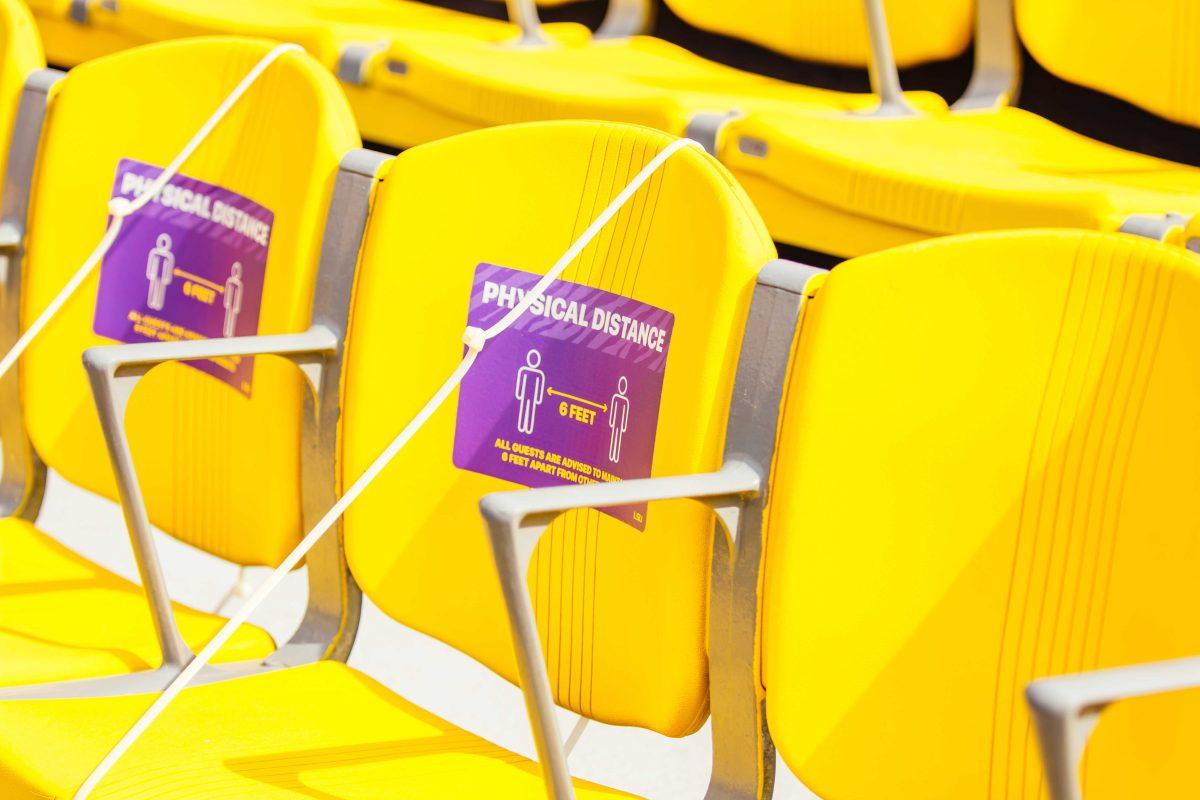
{"points": [[189, 265], [570, 393]]}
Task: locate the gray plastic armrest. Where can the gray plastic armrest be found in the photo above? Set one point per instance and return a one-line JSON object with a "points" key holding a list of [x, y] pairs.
{"points": [[114, 371], [119, 357], [1067, 708], [516, 520]]}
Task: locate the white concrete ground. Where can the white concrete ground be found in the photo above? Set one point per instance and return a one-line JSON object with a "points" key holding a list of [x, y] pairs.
{"points": [[423, 670]]}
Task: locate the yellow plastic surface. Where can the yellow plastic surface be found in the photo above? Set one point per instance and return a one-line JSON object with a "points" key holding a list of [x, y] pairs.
{"points": [[62, 617], [441, 72], [622, 612], [431, 85], [321, 26], [320, 731], [20, 54], [1145, 53], [835, 31], [986, 474], [849, 186], [219, 471]]}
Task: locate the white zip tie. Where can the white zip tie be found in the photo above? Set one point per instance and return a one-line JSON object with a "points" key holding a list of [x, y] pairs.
{"points": [[240, 590], [119, 208], [575, 735], [474, 339]]}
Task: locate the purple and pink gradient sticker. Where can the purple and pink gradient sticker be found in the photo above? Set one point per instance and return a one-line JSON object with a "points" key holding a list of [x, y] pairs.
{"points": [[570, 393], [189, 265]]}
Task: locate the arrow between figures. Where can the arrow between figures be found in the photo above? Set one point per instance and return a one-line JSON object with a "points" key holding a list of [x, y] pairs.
{"points": [[557, 393]]}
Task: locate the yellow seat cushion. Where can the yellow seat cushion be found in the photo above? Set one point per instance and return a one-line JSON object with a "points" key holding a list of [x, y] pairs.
{"points": [[454, 83], [63, 617], [323, 730], [850, 186]]}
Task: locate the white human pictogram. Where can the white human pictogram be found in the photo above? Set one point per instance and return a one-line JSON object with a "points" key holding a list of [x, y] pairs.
{"points": [[160, 270], [233, 298], [618, 419], [530, 391]]}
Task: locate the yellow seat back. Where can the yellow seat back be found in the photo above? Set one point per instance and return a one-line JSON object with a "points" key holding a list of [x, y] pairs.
{"points": [[220, 470], [20, 54], [836, 32], [1144, 53], [986, 474], [622, 611]]}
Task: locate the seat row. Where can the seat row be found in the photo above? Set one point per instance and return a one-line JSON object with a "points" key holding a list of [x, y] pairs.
{"points": [[839, 173], [940, 472]]}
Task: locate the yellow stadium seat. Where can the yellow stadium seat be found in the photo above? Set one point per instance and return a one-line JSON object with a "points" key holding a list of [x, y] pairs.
{"points": [[984, 476], [688, 243], [415, 73], [429, 83], [220, 467], [824, 177], [323, 27], [849, 186]]}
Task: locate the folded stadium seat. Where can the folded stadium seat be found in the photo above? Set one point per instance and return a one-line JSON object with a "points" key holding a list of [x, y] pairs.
{"points": [[347, 36], [430, 84], [219, 452], [1021, 506], [75, 31], [622, 609], [415, 73], [848, 186]]}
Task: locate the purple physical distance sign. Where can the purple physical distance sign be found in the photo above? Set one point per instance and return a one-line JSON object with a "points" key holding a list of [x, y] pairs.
{"points": [[569, 393], [189, 265]]}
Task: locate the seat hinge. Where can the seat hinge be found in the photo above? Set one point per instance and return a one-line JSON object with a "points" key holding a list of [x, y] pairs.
{"points": [[706, 127], [354, 64], [1167, 227]]}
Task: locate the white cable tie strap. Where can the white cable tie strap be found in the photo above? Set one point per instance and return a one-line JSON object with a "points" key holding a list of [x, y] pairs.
{"points": [[119, 208], [474, 339]]}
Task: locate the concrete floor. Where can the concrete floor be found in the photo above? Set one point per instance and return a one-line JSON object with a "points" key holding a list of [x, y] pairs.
{"points": [[422, 669]]}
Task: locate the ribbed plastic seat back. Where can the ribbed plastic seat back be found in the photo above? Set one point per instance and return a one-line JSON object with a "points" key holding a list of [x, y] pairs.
{"points": [[986, 474], [1144, 53], [219, 463], [622, 611], [836, 32]]}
